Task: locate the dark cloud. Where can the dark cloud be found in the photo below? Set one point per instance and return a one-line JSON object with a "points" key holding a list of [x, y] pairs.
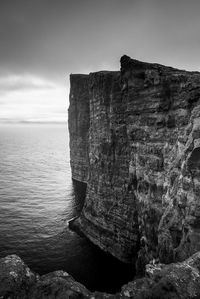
{"points": [[52, 38], [55, 36]]}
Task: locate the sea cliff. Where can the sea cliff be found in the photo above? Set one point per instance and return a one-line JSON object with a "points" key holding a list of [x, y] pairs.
{"points": [[135, 142]]}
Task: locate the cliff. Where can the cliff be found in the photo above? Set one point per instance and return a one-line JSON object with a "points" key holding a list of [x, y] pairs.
{"points": [[135, 141]]}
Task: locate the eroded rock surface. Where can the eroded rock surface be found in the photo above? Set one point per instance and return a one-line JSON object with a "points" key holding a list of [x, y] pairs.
{"points": [[143, 158], [173, 281], [17, 281], [15, 277]]}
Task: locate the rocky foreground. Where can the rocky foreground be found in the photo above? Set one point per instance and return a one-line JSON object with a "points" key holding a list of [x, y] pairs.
{"points": [[173, 281]]}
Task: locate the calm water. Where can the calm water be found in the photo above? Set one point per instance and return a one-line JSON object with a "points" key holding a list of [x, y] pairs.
{"points": [[37, 199]]}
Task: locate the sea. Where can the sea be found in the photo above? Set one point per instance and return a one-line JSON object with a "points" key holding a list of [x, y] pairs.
{"points": [[38, 198]]}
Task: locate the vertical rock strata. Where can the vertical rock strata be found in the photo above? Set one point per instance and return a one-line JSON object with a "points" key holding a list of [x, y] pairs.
{"points": [[135, 140], [79, 119]]}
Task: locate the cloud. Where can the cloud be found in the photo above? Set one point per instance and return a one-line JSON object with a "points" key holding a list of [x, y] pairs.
{"points": [[24, 82], [30, 98], [54, 38]]}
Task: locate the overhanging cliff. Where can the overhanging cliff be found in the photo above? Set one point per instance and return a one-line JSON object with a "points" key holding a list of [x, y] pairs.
{"points": [[135, 140]]}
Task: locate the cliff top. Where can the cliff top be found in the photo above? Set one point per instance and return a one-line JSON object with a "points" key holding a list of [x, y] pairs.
{"points": [[128, 63]]}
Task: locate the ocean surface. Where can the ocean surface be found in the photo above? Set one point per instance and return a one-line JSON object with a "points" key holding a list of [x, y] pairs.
{"points": [[37, 198]]}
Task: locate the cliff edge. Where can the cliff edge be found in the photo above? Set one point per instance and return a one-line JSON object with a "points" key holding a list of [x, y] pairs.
{"points": [[135, 141]]}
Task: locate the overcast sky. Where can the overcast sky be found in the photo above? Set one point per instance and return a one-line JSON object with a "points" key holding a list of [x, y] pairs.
{"points": [[43, 41]]}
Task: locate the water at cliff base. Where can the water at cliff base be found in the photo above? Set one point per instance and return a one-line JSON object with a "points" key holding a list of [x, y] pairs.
{"points": [[37, 200]]}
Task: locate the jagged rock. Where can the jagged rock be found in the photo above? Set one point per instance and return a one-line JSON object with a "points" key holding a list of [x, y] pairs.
{"points": [[15, 278], [173, 281], [17, 281], [142, 145], [59, 285]]}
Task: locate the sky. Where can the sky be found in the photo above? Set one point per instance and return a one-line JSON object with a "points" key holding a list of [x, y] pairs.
{"points": [[43, 41]]}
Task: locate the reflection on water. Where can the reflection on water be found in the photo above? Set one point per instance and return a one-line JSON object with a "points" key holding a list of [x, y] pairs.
{"points": [[37, 199]]}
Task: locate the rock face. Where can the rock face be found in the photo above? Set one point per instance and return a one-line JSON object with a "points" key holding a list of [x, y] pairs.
{"points": [[177, 281], [78, 126], [135, 140]]}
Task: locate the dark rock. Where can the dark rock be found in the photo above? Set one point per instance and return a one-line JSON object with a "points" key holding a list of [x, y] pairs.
{"points": [[177, 281], [180, 280], [15, 278], [59, 285], [17, 281]]}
